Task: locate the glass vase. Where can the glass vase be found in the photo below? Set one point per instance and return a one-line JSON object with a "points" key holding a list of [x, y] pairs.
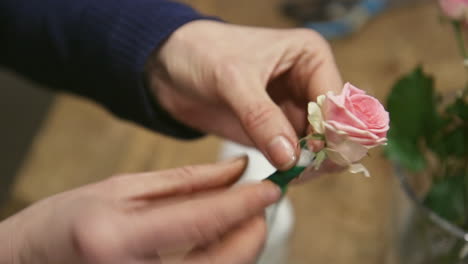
{"points": [[425, 237]]}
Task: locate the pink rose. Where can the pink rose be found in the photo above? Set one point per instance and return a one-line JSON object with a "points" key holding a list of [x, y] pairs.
{"points": [[455, 9], [352, 123]]}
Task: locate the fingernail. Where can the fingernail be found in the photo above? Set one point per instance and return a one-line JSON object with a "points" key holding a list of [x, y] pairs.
{"points": [[281, 152], [271, 192], [243, 158], [236, 162]]}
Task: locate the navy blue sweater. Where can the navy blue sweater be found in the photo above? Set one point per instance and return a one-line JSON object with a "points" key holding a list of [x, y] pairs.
{"points": [[95, 48]]}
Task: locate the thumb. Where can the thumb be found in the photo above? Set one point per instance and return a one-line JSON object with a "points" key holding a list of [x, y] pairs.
{"points": [[262, 120]]}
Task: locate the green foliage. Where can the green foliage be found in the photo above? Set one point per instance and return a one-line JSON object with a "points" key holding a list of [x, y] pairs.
{"points": [[405, 151], [446, 198], [451, 133], [459, 108], [412, 107], [416, 127]]}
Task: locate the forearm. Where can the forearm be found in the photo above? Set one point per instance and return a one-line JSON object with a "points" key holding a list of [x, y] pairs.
{"points": [[97, 49]]}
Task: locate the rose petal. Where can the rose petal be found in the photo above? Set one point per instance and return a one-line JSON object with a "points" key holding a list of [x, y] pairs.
{"points": [[351, 90], [352, 150], [382, 132], [369, 143], [359, 168], [379, 130], [321, 99], [332, 110], [337, 157], [368, 109], [338, 98], [455, 9], [352, 131], [335, 136], [315, 117], [332, 135]]}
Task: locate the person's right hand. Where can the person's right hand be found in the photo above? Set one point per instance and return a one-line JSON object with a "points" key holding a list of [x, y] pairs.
{"points": [[140, 218]]}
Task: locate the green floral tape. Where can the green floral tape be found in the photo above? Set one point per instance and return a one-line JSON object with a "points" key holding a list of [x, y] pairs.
{"points": [[283, 178]]}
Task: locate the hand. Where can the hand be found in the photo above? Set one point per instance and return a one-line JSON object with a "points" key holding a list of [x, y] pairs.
{"points": [[251, 85], [142, 218]]}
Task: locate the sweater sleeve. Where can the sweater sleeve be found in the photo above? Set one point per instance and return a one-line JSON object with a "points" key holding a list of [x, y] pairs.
{"points": [[94, 48]]}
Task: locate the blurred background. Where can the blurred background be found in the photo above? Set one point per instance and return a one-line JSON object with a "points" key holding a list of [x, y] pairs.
{"points": [[53, 142]]}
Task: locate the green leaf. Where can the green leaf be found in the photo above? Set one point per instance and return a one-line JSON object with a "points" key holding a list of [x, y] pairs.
{"points": [[437, 143], [451, 139], [446, 198], [455, 142], [412, 107], [406, 152], [411, 104], [459, 108]]}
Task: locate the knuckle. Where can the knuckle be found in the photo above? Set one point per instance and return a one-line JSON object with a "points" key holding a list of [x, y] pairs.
{"points": [[312, 36], [185, 173], [257, 115], [93, 239]]}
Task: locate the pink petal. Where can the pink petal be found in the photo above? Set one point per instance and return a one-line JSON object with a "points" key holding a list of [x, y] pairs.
{"points": [[335, 111], [380, 132], [332, 135], [369, 110], [352, 90], [337, 158], [350, 151], [352, 131], [369, 143], [454, 9]]}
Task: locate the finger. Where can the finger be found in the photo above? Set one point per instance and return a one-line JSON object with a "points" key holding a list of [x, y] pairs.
{"points": [[242, 246], [180, 181], [217, 120], [315, 71], [261, 118], [202, 220], [296, 115]]}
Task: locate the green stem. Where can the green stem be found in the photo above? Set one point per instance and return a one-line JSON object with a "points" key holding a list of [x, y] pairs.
{"points": [[457, 26], [465, 193], [283, 178]]}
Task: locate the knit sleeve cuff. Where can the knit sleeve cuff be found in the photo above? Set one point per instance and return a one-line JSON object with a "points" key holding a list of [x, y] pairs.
{"points": [[133, 29]]}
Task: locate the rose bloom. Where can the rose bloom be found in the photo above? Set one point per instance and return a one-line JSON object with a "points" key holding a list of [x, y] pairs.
{"points": [[455, 9], [352, 122]]}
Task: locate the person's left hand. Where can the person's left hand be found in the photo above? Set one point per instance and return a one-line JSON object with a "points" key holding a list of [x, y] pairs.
{"points": [[251, 85]]}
